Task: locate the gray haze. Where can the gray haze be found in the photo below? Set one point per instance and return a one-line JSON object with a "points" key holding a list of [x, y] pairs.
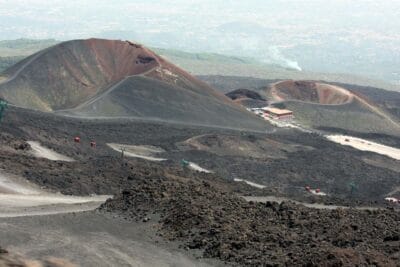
{"points": [[341, 36]]}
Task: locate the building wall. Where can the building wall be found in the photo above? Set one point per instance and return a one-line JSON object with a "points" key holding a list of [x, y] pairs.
{"points": [[285, 117], [280, 117]]}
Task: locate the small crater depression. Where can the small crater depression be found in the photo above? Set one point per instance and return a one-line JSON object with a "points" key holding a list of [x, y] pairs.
{"points": [[312, 92]]}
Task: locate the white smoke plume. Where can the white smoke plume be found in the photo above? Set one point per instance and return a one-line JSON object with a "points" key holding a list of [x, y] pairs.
{"points": [[279, 58]]}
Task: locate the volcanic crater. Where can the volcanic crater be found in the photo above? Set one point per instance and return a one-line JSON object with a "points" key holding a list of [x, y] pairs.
{"points": [[311, 92], [113, 78]]}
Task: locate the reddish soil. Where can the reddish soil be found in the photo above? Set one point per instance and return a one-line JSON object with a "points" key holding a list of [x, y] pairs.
{"points": [[67, 74], [309, 91], [118, 59], [175, 75]]}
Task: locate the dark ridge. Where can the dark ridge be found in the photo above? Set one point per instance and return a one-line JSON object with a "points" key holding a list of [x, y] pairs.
{"points": [[244, 93]]}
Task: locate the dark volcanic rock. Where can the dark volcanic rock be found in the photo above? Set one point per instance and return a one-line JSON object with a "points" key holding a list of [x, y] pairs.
{"points": [[22, 146], [244, 93], [227, 227]]}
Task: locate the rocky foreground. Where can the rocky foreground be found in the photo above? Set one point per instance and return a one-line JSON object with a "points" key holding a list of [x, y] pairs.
{"points": [[204, 216]]}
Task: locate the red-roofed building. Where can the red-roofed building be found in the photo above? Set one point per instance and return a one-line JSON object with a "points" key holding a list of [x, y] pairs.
{"points": [[276, 113]]}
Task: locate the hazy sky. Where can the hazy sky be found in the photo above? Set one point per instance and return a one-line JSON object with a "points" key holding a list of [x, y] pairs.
{"points": [[327, 35], [76, 19]]}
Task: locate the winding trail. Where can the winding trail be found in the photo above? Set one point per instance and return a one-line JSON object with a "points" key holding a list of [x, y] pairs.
{"points": [[378, 111], [143, 152], [108, 91], [5, 80], [46, 205], [365, 145], [15, 75], [19, 198], [43, 152], [309, 205], [260, 186], [196, 167], [396, 190]]}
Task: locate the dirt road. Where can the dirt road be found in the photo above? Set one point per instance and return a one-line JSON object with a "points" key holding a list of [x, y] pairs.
{"points": [[42, 152], [250, 183], [20, 198], [38, 206], [309, 205], [107, 91], [9, 79], [143, 152], [379, 112], [93, 239], [365, 145], [196, 167], [12, 184]]}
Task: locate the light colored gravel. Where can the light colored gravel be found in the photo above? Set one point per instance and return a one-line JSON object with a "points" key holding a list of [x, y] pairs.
{"points": [[365, 145], [250, 183], [309, 205], [42, 152], [19, 198], [196, 167], [143, 152]]}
